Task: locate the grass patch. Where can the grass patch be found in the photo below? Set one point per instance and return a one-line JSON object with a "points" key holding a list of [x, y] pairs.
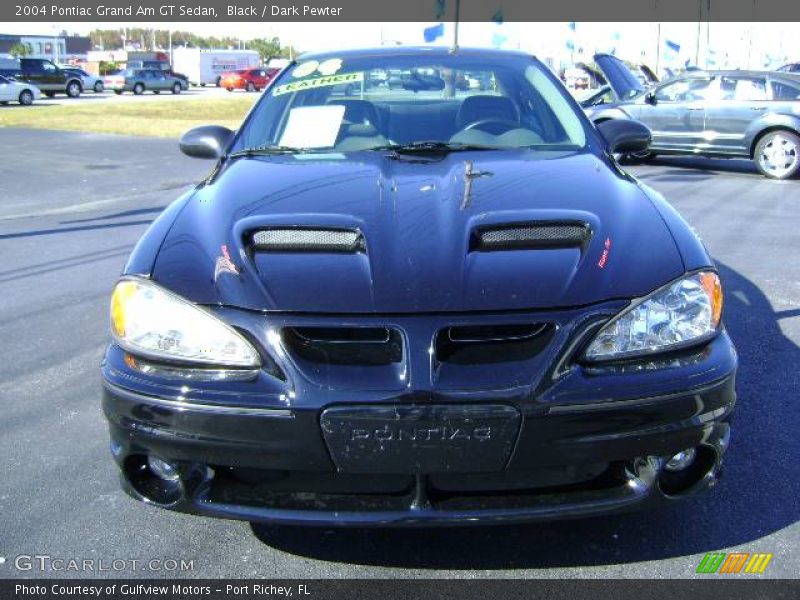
{"points": [[155, 118]]}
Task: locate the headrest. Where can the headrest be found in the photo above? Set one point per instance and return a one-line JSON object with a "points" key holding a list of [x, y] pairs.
{"points": [[477, 108], [358, 112]]}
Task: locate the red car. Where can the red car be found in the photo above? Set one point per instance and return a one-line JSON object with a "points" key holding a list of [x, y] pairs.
{"points": [[251, 80]]}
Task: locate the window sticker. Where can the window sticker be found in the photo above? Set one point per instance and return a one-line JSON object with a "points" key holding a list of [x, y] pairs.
{"points": [[307, 84], [305, 69], [330, 66], [313, 126]]}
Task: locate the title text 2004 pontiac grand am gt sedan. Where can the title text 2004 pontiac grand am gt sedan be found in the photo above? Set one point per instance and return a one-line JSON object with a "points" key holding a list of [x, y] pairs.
{"points": [[433, 303]]}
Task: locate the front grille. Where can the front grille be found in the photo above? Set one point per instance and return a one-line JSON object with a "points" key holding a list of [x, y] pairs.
{"points": [[345, 345], [523, 236], [475, 344], [305, 239]]}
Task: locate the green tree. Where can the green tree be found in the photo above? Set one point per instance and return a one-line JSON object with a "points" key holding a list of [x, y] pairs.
{"points": [[20, 50], [268, 49]]}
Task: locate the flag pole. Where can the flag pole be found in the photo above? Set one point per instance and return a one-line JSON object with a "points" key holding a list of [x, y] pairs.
{"points": [[455, 26]]}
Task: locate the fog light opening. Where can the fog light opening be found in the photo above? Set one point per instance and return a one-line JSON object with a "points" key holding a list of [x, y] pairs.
{"points": [[688, 471], [154, 479], [682, 460], [162, 469]]}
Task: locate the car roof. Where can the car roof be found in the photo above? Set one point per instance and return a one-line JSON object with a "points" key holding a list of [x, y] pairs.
{"points": [[411, 51], [742, 73]]}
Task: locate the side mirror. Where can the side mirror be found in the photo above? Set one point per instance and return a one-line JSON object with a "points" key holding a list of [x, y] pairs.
{"points": [[208, 141], [625, 136], [650, 98]]}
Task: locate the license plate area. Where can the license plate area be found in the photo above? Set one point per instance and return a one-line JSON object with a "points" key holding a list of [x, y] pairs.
{"points": [[420, 439]]}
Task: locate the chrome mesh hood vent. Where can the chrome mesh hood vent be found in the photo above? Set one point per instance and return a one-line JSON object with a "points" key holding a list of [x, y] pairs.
{"points": [[523, 236], [308, 239]]}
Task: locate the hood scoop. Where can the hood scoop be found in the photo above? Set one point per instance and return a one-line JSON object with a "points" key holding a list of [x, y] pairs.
{"points": [[308, 239], [531, 235]]}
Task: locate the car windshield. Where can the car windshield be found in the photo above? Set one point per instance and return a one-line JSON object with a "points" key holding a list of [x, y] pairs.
{"points": [[368, 102]]}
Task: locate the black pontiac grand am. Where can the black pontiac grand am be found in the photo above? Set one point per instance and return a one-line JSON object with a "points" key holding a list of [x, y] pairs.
{"points": [[417, 305]]}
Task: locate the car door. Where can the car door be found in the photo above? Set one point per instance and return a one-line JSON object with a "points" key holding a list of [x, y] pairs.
{"points": [[6, 90], [675, 113], [742, 100], [161, 81], [149, 80], [52, 75]]}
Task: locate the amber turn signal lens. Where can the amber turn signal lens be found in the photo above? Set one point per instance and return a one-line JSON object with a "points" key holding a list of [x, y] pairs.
{"points": [[713, 287], [122, 293]]}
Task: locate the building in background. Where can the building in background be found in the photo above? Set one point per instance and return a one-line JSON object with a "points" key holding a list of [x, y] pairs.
{"points": [[58, 48]]}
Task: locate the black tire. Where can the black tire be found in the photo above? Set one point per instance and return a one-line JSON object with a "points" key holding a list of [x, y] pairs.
{"points": [[177, 88], [138, 89], [202, 85], [156, 92], [74, 89], [777, 154], [98, 87], [3, 102], [229, 89], [50, 94], [218, 82], [26, 97], [118, 92], [250, 87]]}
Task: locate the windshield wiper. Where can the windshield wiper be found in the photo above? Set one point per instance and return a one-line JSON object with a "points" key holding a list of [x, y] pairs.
{"points": [[433, 147], [267, 150]]}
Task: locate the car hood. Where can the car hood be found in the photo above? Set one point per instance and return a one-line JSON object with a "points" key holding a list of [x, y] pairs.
{"points": [[622, 80], [419, 219]]}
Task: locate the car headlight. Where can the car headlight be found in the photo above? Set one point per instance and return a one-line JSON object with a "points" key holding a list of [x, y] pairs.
{"points": [[150, 321], [683, 313]]}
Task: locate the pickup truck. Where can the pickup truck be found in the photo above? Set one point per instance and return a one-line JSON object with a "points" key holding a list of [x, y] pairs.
{"points": [[43, 74]]}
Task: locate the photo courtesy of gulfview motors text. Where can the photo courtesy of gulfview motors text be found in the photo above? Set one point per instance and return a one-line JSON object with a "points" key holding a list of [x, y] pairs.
{"points": [[260, 590]]}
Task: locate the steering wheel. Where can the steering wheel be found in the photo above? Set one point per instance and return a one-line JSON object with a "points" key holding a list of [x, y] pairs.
{"points": [[505, 124]]}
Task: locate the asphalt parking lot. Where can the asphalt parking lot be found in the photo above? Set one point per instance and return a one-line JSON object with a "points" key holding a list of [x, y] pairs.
{"points": [[73, 205]]}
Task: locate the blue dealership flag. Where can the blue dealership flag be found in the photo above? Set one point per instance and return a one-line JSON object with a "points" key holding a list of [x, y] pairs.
{"points": [[431, 33], [498, 39], [675, 47]]}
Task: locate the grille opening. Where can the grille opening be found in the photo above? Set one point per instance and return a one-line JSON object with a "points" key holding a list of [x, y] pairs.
{"points": [[345, 345], [493, 333], [468, 345], [331, 491], [522, 236], [308, 239], [298, 490], [344, 335]]}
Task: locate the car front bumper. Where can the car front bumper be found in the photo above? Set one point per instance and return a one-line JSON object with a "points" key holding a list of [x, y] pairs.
{"points": [[595, 442]]}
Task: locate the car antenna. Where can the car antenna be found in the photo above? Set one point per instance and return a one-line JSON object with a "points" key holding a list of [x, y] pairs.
{"points": [[454, 47]]}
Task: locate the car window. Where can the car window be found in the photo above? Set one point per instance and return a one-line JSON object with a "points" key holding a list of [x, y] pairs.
{"points": [[686, 90], [596, 98], [746, 88], [3, 79], [374, 101], [48, 67], [784, 91]]}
